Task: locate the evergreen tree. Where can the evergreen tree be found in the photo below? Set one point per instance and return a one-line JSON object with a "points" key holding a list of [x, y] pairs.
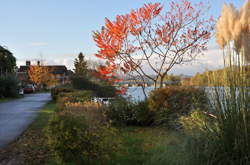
{"points": [[7, 61], [81, 67]]}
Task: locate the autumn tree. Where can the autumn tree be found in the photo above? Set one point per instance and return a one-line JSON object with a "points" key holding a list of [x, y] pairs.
{"points": [[41, 75], [150, 41], [81, 66]]}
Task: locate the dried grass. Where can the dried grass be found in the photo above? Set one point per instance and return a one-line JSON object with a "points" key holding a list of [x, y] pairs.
{"points": [[234, 26]]}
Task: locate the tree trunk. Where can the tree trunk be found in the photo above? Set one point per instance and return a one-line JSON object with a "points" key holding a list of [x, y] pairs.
{"points": [[161, 81], [144, 92], [155, 84]]}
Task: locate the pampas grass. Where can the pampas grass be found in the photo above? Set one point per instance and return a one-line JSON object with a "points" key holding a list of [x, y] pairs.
{"points": [[227, 140], [233, 27]]}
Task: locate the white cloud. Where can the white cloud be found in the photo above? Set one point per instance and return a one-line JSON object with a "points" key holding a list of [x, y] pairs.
{"points": [[211, 60], [68, 62]]}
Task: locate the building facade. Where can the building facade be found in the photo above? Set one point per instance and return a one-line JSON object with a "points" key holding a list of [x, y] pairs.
{"points": [[60, 73]]}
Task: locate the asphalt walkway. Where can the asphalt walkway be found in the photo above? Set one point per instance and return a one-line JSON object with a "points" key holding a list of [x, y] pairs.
{"points": [[17, 115]]}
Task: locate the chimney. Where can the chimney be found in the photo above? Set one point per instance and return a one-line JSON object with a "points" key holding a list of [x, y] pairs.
{"points": [[27, 63], [38, 63]]}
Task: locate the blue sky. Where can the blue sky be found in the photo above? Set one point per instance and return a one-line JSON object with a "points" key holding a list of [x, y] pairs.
{"points": [[57, 30]]}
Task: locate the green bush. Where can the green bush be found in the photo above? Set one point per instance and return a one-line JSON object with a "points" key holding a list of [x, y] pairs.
{"points": [[81, 83], [100, 89], [105, 90], [172, 102], [81, 135], [55, 92], [8, 86], [120, 111], [197, 122], [125, 112], [144, 116]]}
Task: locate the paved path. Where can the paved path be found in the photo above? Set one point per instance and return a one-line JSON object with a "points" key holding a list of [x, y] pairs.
{"points": [[17, 115]]}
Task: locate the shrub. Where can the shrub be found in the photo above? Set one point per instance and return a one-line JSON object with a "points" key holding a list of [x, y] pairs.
{"points": [[144, 116], [105, 90], [73, 97], [125, 112], [197, 122], [172, 102], [8, 86], [55, 92], [82, 83], [121, 112], [80, 134], [100, 89]]}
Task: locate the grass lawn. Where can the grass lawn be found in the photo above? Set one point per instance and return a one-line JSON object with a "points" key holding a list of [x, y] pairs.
{"points": [[146, 145], [8, 99], [139, 145]]}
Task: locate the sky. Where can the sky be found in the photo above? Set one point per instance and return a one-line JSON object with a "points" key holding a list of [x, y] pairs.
{"points": [[57, 30]]}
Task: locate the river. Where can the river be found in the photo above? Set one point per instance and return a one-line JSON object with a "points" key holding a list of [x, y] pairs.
{"points": [[136, 93]]}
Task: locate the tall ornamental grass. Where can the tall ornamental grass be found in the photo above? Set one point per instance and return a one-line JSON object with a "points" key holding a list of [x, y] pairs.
{"points": [[227, 139]]}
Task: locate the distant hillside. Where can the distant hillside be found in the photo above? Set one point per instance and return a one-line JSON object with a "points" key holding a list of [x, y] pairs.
{"points": [[216, 77]]}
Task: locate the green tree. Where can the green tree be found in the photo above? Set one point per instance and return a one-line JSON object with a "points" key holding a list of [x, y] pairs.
{"points": [[81, 66], [7, 61]]}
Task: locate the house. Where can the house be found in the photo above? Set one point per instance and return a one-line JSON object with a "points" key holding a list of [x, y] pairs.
{"points": [[59, 72]]}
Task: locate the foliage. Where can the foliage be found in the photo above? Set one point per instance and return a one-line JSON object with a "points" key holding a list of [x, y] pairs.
{"points": [[82, 83], [80, 134], [170, 103], [8, 86], [106, 90], [172, 79], [81, 67], [55, 92], [100, 89], [152, 37], [216, 77], [125, 112], [41, 75], [196, 123], [120, 111], [144, 116], [7, 62], [73, 97]]}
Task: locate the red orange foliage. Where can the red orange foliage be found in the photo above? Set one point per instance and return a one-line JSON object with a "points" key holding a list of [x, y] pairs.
{"points": [[149, 34]]}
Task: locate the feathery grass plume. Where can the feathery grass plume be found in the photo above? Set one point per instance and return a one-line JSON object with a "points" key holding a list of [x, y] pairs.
{"points": [[234, 26], [245, 16], [246, 46], [237, 36], [228, 141], [233, 16], [245, 31], [226, 17], [219, 37], [226, 25]]}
